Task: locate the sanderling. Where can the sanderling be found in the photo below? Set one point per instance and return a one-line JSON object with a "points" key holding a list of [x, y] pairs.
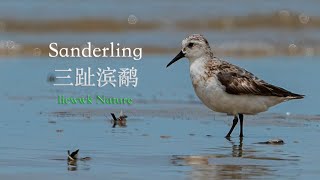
{"points": [[226, 88]]}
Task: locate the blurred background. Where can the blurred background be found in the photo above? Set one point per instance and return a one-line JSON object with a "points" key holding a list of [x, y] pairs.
{"points": [[244, 28]]}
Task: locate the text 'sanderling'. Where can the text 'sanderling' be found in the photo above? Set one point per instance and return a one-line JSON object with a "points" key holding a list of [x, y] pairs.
{"points": [[89, 50]]}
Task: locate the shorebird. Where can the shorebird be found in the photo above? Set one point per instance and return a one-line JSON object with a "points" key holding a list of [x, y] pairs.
{"points": [[121, 121], [73, 156], [226, 88]]}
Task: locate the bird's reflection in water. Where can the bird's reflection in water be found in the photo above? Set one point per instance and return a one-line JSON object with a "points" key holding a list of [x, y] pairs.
{"points": [[227, 165], [72, 165], [236, 148]]}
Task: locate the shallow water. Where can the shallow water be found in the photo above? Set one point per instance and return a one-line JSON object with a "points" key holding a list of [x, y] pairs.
{"points": [[169, 133]]}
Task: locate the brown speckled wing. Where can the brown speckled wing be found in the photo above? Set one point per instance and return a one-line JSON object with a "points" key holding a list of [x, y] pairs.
{"points": [[240, 82]]}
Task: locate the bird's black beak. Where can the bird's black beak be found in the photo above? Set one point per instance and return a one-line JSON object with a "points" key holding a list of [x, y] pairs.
{"points": [[179, 56]]}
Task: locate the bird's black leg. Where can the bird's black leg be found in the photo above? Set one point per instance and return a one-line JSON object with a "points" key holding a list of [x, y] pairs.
{"points": [[241, 124], [234, 123]]}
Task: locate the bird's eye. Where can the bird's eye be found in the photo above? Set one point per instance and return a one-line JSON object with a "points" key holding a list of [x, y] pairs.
{"points": [[190, 45]]}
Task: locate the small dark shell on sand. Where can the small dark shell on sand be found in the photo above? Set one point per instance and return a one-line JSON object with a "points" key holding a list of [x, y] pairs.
{"points": [[165, 137], [59, 130], [85, 159], [273, 141], [51, 78]]}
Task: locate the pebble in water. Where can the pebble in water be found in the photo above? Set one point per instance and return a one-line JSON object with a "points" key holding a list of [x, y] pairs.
{"points": [[273, 141]]}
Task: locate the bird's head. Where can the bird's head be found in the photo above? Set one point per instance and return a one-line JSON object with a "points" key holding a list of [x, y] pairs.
{"points": [[193, 47]]}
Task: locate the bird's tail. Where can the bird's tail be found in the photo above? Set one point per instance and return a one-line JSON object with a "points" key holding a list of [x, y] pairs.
{"points": [[280, 92], [294, 96]]}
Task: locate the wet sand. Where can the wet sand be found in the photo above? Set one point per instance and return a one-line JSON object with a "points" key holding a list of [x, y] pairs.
{"points": [[182, 143], [168, 134]]}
